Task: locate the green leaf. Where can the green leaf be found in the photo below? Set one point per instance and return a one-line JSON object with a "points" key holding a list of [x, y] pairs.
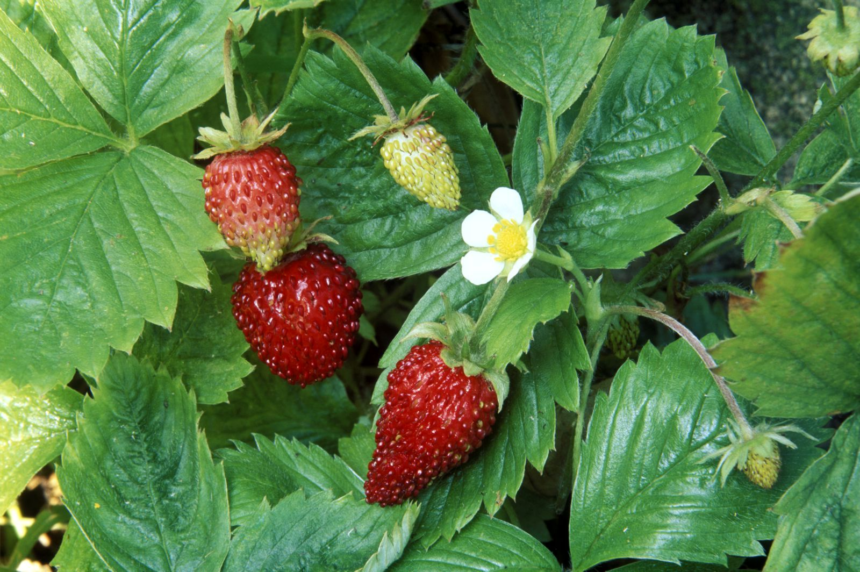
{"points": [[814, 295], [317, 533], [357, 449], [90, 248], [383, 231], [393, 543], [642, 490], [761, 234], [747, 145], [204, 347], [663, 96], [33, 431], [76, 554], [362, 22], [524, 431], [144, 62], [278, 6], [557, 352], [44, 116], [526, 304], [138, 477], [546, 51], [653, 566], [486, 544], [276, 41], [321, 413], [819, 525], [278, 468]]}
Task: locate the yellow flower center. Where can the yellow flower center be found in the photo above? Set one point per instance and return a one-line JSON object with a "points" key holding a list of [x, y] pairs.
{"points": [[510, 241]]}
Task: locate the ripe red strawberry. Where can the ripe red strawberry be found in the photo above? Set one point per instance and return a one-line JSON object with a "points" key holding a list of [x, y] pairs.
{"points": [[301, 317], [434, 416], [253, 196]]}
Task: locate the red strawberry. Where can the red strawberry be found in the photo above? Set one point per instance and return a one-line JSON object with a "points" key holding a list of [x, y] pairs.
{"points": [[301, 317], [434, 416], [253, 196]]}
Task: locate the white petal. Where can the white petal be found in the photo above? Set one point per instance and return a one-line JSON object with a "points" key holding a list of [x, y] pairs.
{"points": [[480, 267], [507, 203], [477, 227], [519, 265], [532, 237]]}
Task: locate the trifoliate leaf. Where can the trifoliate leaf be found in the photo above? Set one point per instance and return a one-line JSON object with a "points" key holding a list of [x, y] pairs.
{"points": [[278, 468], [819, 524], [663, 96], [486, 544], [642, 490], [33, 430], [44, 115], [526, 304], [267, 405], [382, 230], [137, 469], [204, 346], [144, 63], [746, 146], [313, 533], [525, 431], [797, 353], [91, 247], [557, 352], [546, 51]]}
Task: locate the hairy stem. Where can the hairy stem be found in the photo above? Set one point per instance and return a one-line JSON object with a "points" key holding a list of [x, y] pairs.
{"points": [[466, 63], [229, 87], [247, 86], [717, 288], [834, 180], [492, 306], [359, 63], [709, 362], [297, 66], [725, 197], [840, 14], [599, 338], [783, 216]]}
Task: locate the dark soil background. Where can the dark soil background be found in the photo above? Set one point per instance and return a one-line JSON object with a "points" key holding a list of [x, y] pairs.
{"points": [[758, 36]]}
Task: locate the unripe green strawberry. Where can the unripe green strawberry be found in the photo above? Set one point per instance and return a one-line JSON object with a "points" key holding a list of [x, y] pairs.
{"points": [[622, 337], [421, 161], [762, 470], [417, 156]]}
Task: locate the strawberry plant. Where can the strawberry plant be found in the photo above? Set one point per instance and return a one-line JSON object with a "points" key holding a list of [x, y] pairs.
{"points": [[274, 297]]}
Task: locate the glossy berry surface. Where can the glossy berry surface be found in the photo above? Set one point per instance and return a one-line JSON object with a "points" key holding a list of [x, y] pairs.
{"points": [[253, 196], [434, 417], [301, 317]]}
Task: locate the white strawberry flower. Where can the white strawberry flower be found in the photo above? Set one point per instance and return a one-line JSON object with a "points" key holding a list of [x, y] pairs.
{"points": [[502, 241]]}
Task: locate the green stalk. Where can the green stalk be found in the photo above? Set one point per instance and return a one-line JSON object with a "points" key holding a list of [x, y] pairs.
{"points": [[717, 288], [725, 197], [599, 338], [840, 14], [247, 86], [699, 348], [229, 87], [835, 178], [490, 309], [294, 74], [466, 63], [783, 216], [359, 63]]}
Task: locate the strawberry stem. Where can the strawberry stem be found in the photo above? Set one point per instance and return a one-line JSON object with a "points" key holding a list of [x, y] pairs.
{"points": [[599, 337], [840, 14], [696, 344], [783, 216], [359, 63], [229, 87]]}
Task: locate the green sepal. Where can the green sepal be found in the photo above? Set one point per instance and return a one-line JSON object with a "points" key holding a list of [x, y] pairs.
{"points": [[501, 383], [383, 125], [429, 330], [251, 135]]}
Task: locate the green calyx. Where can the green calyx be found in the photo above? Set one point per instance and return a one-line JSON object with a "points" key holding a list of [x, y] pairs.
{"points": [[838, 47], [457, 334], [384, 125], [756, 453], [250, 135]]}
